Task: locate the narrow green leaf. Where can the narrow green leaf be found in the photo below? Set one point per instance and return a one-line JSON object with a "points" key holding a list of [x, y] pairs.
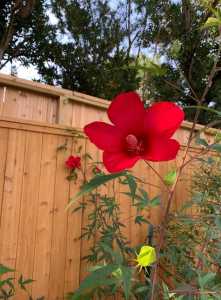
{"points": [[93, 184], [144, 194], [126, 276], [140, 219], [206, 279], [96, 279], [4, 269], [155, 201], [132, 185]]}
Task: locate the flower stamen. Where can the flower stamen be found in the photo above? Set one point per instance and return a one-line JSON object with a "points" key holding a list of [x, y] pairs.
{"points": [[134, 145]]}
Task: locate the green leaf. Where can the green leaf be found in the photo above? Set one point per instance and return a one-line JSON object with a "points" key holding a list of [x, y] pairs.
{"points": [[155, 201], [93, 184], [118, 259], [126, 277], [216, 147], [201, 142], [132, 185], [23, 282], [206, 279], [144, 194], [96, 279], [140, 219], [7, 281], [4, 269], [212, 21], [170, 177]]}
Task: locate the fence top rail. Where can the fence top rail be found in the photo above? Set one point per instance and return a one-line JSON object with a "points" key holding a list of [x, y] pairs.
{"points": [[37, 87], [34, 126], [52, 90]]}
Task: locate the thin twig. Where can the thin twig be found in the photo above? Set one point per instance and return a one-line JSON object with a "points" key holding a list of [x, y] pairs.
{"points": [[158, 174]]}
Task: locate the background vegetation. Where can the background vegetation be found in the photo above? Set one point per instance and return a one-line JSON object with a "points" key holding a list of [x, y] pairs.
{"points": [[105, 47]]}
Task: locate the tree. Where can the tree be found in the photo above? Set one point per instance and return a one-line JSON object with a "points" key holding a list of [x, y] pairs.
{"points": [[103, 47], [23, 25], [92, 49], [186, 50]]}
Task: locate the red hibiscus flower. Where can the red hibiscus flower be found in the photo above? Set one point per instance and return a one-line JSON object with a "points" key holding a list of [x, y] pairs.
{"points": [[136, 133], [73, 162]]}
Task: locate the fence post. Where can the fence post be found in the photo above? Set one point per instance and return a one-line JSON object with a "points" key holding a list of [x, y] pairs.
{"points": [[63, 108]]}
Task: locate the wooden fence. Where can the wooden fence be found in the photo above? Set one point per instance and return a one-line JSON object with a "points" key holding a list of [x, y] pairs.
{"points": [[38, 237]]}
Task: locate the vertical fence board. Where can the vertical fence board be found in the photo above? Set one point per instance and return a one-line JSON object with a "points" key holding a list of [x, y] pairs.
{"points": [[59, 231], [3, 156], [73, 253], [44, 216], [87, 244], [28, 217], [12, 197]]}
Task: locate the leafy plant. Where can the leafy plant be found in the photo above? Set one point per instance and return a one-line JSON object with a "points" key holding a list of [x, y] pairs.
{"points": [[8, 284]]}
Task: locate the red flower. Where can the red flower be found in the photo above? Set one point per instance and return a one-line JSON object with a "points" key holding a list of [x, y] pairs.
{"points": [[73, 162], [137, 133]]}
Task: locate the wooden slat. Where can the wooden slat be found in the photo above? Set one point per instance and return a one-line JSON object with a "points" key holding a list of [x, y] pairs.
{"points": [[59, 229], [87, 244], [2, 98], [29, 206], [12, 198], [3, 160], [73, 253], [45, 216]]}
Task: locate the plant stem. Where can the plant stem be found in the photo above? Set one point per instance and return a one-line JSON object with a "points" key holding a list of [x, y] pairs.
{"points": [[158, 174]]}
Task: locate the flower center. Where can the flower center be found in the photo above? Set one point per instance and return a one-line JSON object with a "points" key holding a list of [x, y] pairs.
{"points": [[134, 145]]}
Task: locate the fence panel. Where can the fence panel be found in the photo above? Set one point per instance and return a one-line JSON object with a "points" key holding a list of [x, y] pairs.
{"points": [[39, 238]]}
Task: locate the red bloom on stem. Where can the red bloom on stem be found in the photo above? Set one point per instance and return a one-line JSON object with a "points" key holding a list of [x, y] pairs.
{"points": [[136, 133], [73, 162]]}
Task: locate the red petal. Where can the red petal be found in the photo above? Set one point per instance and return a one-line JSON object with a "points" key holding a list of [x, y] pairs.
{"points": [[163, 118], [127, 112], [104, 136], [162, 150], [118, 161]]}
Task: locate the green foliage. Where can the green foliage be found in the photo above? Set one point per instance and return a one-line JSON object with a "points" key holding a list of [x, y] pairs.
{"points": [[163, 48], [87, 52], [193, 251], [8, 286], [22, 26], [112, 257], [94, 183]]}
